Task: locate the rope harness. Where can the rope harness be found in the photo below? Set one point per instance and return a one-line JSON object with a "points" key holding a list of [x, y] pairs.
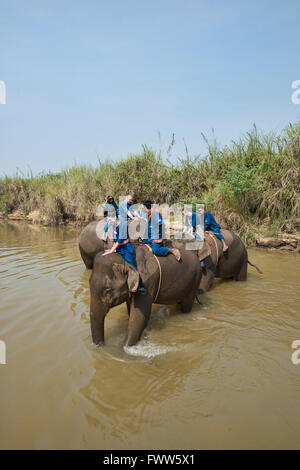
{"points": [[159, 267]]}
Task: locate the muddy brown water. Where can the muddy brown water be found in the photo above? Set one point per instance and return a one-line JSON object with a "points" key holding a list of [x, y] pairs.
{"points": [[219, 377]]}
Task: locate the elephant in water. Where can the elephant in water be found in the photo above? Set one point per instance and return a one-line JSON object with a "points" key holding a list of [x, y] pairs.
{"points": [[90, 242], [231, 264], [167, 281]]}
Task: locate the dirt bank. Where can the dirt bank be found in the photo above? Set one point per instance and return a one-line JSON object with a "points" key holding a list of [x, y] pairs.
{"points": [[282, 241]]}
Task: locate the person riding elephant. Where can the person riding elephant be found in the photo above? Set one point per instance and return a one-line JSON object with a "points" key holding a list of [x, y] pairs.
{"points": [[127, 210], [96, 235], [211, 225], [92, 240], [123, 246], [233, 265], [110, 212], [155, 233], [191, 223], [111, 208]]}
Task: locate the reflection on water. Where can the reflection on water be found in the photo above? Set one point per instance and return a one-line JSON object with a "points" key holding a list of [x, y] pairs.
{"points": [[218, 377]]}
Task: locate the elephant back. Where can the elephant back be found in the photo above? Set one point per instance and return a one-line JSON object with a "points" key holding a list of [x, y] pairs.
{"points": [[228, 236], [167, 280], [90, 243]]}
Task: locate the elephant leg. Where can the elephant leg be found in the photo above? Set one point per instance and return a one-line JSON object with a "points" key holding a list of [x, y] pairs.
{"points": [[97, 317], [140, 310], [187, 303], [208, 275], [241, 275]]}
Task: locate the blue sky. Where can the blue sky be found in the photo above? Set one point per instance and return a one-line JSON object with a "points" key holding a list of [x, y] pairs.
{"points": [[88, 78]]}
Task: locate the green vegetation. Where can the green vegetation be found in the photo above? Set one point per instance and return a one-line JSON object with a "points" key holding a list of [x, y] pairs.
{"points": [[252, 186]]}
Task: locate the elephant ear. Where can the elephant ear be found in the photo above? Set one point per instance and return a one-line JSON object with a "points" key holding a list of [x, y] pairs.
{"points": [[148, 269], [132, 278]]}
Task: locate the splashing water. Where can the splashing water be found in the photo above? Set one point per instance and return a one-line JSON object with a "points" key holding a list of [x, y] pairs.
{"points": [[148, 350]]}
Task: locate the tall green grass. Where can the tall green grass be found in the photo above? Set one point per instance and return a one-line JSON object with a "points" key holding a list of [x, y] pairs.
{"points": [[253, 185]]}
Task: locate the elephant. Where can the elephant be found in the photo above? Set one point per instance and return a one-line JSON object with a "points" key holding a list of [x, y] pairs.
{"points": [[90, 243], [231, 264], [167, 281]]}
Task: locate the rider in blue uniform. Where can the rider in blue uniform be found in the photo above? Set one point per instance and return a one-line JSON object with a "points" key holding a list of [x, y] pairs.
{"points": [[191, 222], [111, 211], [123, 247], [110, 207], [210, 224], [126, 212], [155, 233]]}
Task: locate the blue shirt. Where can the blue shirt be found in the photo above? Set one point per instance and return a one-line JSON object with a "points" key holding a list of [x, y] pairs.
{"points": [[120, 232], [210, 223], [111, 210], [156, 228], [144, 215], [192, 220], [124, 208]]}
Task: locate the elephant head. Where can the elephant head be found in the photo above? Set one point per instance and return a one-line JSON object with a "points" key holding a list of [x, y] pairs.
{"points": [[114, 281]]}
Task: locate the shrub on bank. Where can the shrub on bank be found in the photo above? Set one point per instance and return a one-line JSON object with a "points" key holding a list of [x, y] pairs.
{"points": [[253, 185]]}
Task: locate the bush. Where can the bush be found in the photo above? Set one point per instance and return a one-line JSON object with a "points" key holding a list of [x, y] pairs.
{"points": [[252, 186]]}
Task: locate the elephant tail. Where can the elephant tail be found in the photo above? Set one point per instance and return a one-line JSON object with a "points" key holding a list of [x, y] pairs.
{"points": [[257, 269]]}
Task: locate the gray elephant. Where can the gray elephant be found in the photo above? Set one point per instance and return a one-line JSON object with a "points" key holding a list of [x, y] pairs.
{"points": [[90, 242], [113, 281], [231, 264]]}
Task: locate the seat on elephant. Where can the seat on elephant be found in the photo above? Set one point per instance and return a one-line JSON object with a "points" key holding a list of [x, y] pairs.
{"points": [[228, 237], [204, 252]]}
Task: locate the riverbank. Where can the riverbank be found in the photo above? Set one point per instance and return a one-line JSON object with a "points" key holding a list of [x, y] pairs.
{"points": [[252, 187], [282, 242]]}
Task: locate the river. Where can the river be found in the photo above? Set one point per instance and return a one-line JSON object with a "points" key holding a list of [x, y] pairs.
{"points": [[218, 377]]}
